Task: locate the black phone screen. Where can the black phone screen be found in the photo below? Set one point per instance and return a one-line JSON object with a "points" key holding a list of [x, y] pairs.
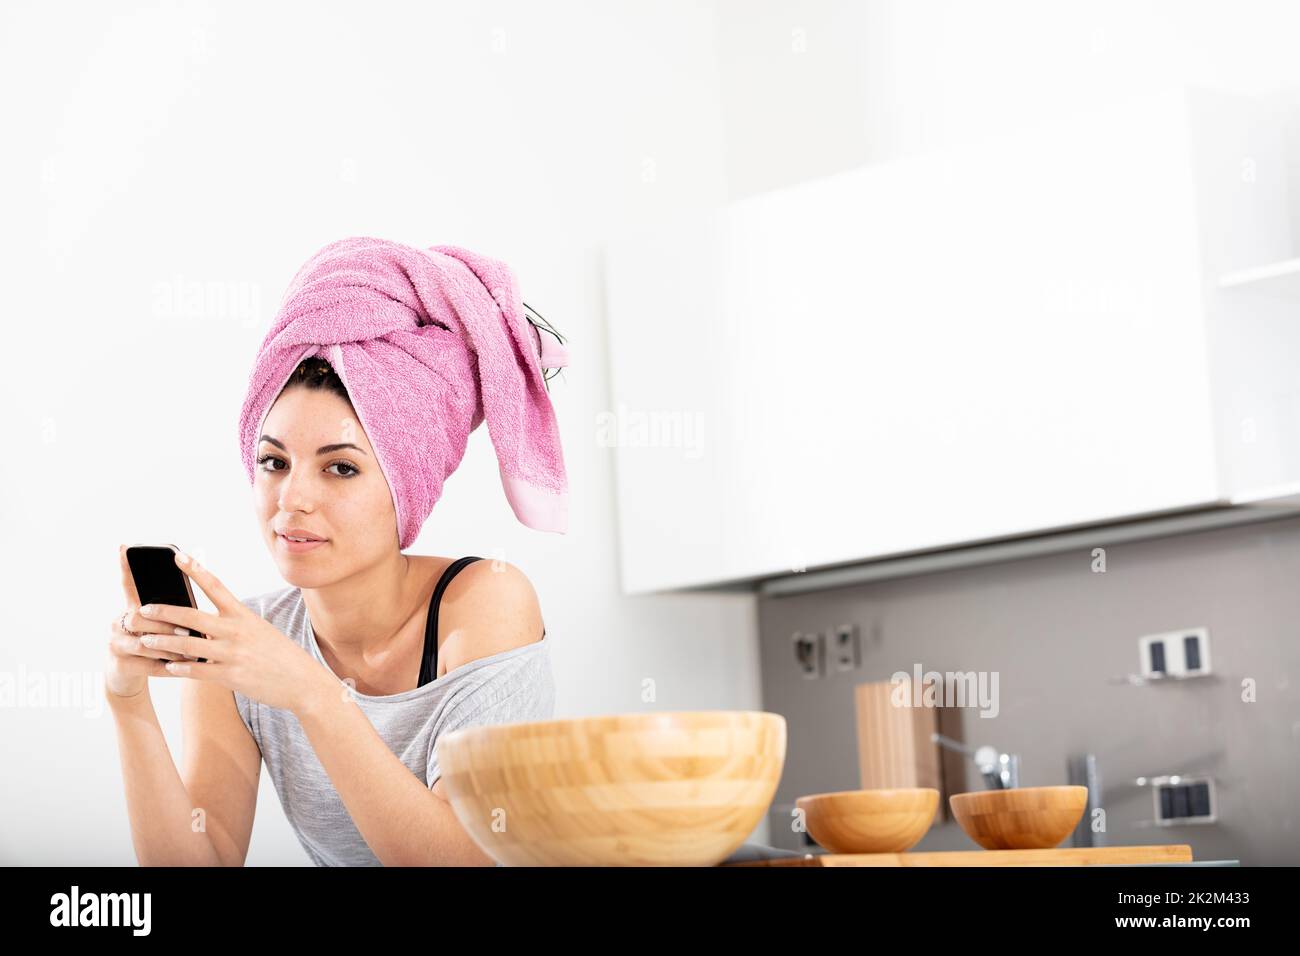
{"points": [[158, 580]]}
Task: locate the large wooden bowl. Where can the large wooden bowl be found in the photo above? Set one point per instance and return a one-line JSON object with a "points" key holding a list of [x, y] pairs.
{"points": [[661, 789], [1022, 818], [869, 821]]}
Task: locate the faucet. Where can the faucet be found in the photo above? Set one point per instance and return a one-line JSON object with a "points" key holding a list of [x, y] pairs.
{"points": [[1001, 770]]}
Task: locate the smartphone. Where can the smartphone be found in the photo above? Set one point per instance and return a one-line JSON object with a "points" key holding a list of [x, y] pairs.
{"points": [[159, 581]]}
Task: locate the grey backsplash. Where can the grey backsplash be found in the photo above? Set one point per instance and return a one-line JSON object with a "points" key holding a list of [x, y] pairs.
{"points": [[1057, 632]]}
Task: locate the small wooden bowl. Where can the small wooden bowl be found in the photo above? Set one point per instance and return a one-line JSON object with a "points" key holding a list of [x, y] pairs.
{"points": [[1022, 818], [657, 789], [869, 821]]}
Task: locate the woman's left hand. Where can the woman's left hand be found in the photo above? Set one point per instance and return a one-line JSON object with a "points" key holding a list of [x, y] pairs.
{"points": [[243, 651]]}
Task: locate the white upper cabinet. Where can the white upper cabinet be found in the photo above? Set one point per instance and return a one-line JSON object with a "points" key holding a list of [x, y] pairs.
{"points": [[1031, 332]]}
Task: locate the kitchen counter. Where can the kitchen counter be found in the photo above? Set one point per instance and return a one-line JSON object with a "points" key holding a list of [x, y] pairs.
{"points": [[1153, 855]]}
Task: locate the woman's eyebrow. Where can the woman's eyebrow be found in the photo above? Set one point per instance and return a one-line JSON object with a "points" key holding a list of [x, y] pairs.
{"points": [[322, 450]]}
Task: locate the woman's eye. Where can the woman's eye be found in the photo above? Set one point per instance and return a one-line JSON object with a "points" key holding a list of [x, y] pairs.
{"points": [[353, 469]]}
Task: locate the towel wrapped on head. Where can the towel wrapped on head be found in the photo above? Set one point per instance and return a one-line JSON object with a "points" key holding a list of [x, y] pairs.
{"points": [[429, 344]]}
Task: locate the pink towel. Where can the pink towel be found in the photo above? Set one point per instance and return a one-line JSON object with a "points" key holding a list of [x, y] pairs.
{"points": [[429, 343]]}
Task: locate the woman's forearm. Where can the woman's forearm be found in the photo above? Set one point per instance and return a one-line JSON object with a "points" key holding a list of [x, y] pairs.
{"points": [[157, 802], [402, 820]]}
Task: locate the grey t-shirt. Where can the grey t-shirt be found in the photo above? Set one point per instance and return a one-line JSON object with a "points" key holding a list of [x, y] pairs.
{"points": [[508, 687]]}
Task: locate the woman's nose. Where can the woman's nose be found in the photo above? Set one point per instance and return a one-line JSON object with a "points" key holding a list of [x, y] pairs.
{"points": [[296, 493]]}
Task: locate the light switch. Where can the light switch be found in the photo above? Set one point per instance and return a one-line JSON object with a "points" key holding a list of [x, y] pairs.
{"points": [[809, 654]]}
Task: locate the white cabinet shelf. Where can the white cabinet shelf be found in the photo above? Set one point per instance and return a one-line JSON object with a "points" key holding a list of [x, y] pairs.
{"points": [[1277, 278], [1016, 335]]}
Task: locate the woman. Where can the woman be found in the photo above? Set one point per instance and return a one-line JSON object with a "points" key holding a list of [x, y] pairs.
{"points": [[344, 681]]}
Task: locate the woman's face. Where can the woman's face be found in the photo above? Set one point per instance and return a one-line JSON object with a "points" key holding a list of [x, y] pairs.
{"points": [[322, 478]]}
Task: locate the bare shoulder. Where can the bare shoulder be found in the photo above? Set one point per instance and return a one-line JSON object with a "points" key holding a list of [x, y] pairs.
{"points": [[489, 607]]}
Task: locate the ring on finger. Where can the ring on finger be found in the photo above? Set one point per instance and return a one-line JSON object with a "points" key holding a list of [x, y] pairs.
{"points": [[122, 623]]}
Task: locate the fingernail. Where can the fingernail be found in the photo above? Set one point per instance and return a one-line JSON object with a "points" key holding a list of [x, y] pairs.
{"points": [[147, 610], [148, 641], [182, 557], [181, 631]]}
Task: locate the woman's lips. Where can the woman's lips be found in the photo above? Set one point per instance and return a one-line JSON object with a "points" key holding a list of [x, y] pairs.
{"points": [[298, 547]]}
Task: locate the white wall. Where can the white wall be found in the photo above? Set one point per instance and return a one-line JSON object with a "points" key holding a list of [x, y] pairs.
{"points": [[166, 171]]}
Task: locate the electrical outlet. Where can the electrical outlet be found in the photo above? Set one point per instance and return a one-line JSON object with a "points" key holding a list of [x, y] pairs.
{"points": [[846, 647], [809, 654], [1183, 653], [1180, 800]]}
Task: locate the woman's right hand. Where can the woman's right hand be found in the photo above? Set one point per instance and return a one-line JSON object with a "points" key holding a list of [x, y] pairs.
{"points": [[130, 663]]}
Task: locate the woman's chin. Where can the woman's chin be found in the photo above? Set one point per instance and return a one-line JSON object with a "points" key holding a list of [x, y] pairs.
{"points": [[303, 570], [299, 577]]}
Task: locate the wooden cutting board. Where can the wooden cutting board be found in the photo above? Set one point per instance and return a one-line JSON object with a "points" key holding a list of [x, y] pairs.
{"points": [[1062, 856], [895, 747]]}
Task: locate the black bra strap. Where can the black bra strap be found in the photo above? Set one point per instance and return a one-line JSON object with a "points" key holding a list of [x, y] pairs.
{"points": [[429, 663]]}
